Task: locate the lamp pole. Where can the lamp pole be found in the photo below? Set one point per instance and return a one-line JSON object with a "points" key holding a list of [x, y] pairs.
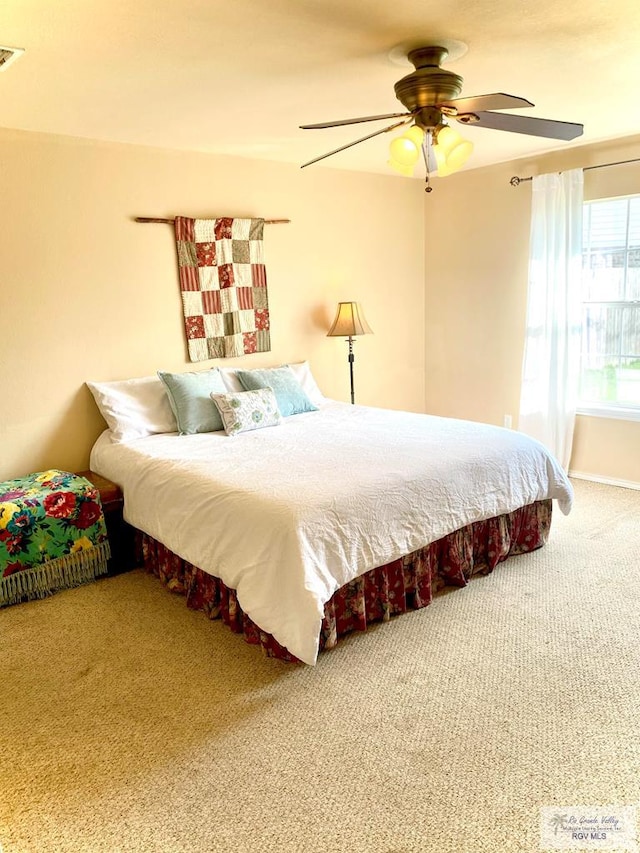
{"points": [[351, 360]]}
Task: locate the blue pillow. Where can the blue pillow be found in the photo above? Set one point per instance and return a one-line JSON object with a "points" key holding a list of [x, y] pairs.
{"points": [[290, 396], [189, 396]]}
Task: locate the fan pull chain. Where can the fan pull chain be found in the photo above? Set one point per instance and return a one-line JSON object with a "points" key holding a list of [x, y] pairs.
{"points": [[426, 147]]}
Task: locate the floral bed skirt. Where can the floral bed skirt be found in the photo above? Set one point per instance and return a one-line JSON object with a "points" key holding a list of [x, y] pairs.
{"points": [[406, 584]]}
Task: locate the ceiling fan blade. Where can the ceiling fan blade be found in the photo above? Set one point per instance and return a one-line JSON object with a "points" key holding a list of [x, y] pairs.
{"points": [[524, 124], [497, 101], [340, 122], [357, 141]]}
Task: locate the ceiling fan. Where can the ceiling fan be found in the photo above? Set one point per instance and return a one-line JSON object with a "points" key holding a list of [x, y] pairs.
{"points": [[430, 96]]}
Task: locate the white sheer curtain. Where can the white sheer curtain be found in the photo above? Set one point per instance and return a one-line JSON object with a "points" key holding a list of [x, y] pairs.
{"points": [[552, 347]]}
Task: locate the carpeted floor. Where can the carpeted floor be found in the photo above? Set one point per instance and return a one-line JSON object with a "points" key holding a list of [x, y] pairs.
{"points": [[128, 723]]}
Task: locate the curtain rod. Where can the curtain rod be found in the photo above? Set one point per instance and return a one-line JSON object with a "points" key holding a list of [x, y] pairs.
{"points": [[172, 221], [515, 180]]}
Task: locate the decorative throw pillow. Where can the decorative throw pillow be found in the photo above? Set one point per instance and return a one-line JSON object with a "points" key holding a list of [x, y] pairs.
{"points": [[291, 398], [134, 408], [190, 398], [247, 410]]}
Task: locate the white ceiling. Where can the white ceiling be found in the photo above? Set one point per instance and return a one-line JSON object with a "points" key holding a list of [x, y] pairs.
{"points": [[239, 76]]}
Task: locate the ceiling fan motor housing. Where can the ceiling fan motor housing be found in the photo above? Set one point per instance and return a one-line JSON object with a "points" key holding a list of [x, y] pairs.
{"points": [[429, 85]]}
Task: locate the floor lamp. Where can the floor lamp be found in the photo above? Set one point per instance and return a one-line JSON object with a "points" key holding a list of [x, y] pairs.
{"points": [[349, 322]]}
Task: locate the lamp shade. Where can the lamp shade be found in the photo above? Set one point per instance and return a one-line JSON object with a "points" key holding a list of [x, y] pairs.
{"points": [[349, 322]]}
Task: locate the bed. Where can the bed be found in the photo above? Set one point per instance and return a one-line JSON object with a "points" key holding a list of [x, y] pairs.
{"points": [[287, 522]]}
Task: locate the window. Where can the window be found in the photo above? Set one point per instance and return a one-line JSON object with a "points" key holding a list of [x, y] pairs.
{"points": [[610, 352]]}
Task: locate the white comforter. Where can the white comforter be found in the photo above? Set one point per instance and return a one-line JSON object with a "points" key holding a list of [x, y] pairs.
{"points": [[286, 515]]}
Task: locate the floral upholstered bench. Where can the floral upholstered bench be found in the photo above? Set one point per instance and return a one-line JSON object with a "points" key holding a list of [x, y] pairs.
{"points": [[52, 535]]}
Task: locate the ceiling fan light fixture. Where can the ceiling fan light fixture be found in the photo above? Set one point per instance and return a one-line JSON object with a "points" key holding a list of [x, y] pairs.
{"points": [[442, 169], [451, 150], [415, 134], [404, 151], [459, 155], [407, 171]]}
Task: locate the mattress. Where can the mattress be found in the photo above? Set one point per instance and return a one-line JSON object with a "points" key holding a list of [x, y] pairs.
{"points": [[287, 515]]}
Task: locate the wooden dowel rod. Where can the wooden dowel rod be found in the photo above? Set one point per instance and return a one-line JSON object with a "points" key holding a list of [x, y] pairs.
{"points": [[171, 221]]}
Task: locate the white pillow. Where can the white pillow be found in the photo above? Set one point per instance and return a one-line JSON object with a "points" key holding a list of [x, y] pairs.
{"points": [[230, 380], [303, 374], [134, 408]]}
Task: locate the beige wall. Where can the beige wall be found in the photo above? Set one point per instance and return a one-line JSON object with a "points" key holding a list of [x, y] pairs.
{"points": [[89, 294], [476, 250]]}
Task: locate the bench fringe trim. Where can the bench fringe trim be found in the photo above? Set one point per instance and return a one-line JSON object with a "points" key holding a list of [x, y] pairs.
{"points": [[61, 573]]}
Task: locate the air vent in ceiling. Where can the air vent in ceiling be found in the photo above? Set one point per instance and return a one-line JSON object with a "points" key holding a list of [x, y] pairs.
{"points": [[9, 55]]}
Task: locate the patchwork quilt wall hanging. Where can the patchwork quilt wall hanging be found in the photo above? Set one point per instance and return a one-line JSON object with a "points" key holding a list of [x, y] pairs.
{"points": [[223, 283]]}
